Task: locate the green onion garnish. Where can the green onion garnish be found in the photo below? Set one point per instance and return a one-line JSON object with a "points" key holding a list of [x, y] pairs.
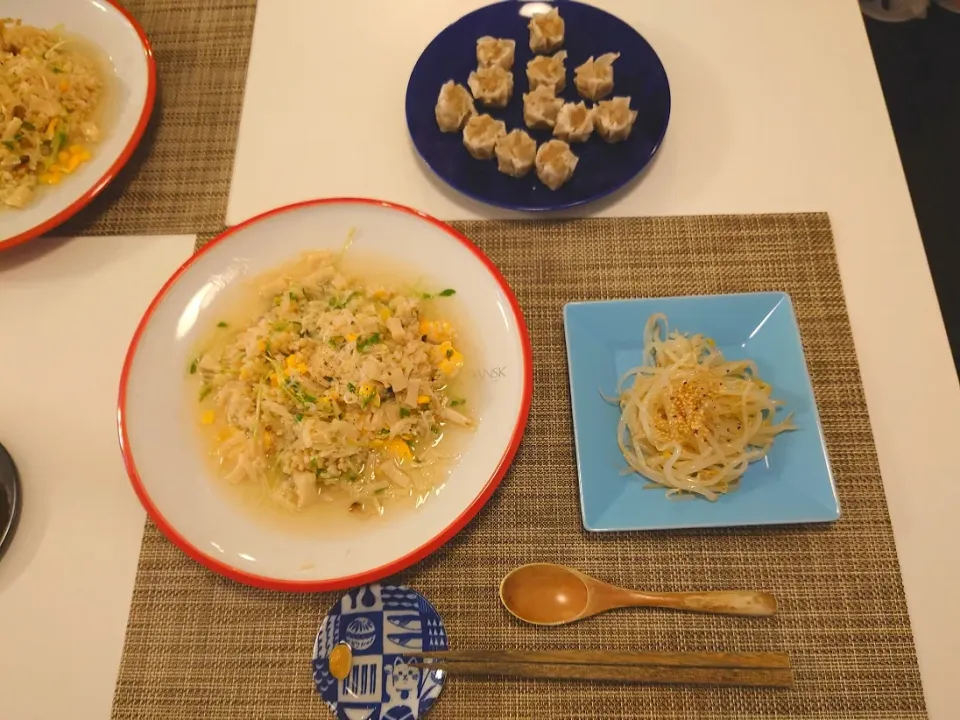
{"points": [[366, 342]]}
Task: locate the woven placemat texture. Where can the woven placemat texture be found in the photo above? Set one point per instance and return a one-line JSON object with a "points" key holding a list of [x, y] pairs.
{"points": [[178, 179], [199, 646]]}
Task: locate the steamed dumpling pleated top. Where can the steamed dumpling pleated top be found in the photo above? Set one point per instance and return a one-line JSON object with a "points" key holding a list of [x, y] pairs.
{"points": [[541, 107], [546, 31], [496, 51], [516, 152], [555, 163], [614, 119], [480, 135], [594, 79], [492, 85], [574, 123], [549, 71], [454, 107]]}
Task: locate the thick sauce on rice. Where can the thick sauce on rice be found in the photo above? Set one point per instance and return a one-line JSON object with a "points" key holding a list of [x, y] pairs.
{"points": [[329, 392]]}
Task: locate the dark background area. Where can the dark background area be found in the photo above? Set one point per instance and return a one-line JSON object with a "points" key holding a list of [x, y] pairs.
{"points": [[919, 66]]}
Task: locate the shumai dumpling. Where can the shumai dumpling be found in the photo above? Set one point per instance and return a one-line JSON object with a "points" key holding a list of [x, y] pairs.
{"points": [[549, 71], [555, 163], [492, 85], [480, 135], [546, 31], [496, 51], [454, 107], [614, 119], [594, 79], [516, 152], [574, 123], [541, 107]]}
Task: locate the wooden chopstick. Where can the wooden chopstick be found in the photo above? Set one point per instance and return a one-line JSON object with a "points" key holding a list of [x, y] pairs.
{"points": [[730, 669], [659, 674], [749, 660]]}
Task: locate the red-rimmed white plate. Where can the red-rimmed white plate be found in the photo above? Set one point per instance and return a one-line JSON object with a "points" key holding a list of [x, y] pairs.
{"points": [[164, 455], [132, 85]]}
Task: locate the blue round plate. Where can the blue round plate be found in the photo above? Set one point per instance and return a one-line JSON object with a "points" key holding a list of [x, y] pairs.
{"points": [[380, 623], [603, 168]]}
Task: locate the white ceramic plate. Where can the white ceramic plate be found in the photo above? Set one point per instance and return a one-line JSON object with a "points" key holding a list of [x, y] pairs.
{"points": [[134, 82], [163, 453]]}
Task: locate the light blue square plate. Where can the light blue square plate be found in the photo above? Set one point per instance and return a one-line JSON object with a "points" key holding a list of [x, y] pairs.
{"points": [[793, 484]]}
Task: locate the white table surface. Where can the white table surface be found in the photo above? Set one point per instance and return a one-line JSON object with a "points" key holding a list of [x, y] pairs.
{"points": [[776, 108], [68, 309]]}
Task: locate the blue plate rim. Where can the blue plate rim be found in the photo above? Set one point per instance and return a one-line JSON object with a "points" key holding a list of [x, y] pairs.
{"points": [[534, 208], [835, 511]]}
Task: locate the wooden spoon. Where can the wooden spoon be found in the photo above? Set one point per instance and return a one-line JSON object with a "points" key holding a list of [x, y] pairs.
{"points": [[548, 594]]}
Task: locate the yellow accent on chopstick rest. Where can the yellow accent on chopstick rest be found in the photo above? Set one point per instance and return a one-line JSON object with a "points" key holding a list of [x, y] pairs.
{"points": [[340, 661]]}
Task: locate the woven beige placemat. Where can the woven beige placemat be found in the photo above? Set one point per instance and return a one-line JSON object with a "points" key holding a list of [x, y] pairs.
{"points": [[199, 646], [178, 179]]}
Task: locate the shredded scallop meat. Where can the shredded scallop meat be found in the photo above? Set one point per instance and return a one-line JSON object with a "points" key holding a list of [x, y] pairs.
{"points": [[334, 387], [613, 119], [496, 51], [555, 163], [546, 31], [492, 86], [516, 152], [454, 107], [548, 71], [691, 421], [594, 79], [480, 135], [574, 123]]}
